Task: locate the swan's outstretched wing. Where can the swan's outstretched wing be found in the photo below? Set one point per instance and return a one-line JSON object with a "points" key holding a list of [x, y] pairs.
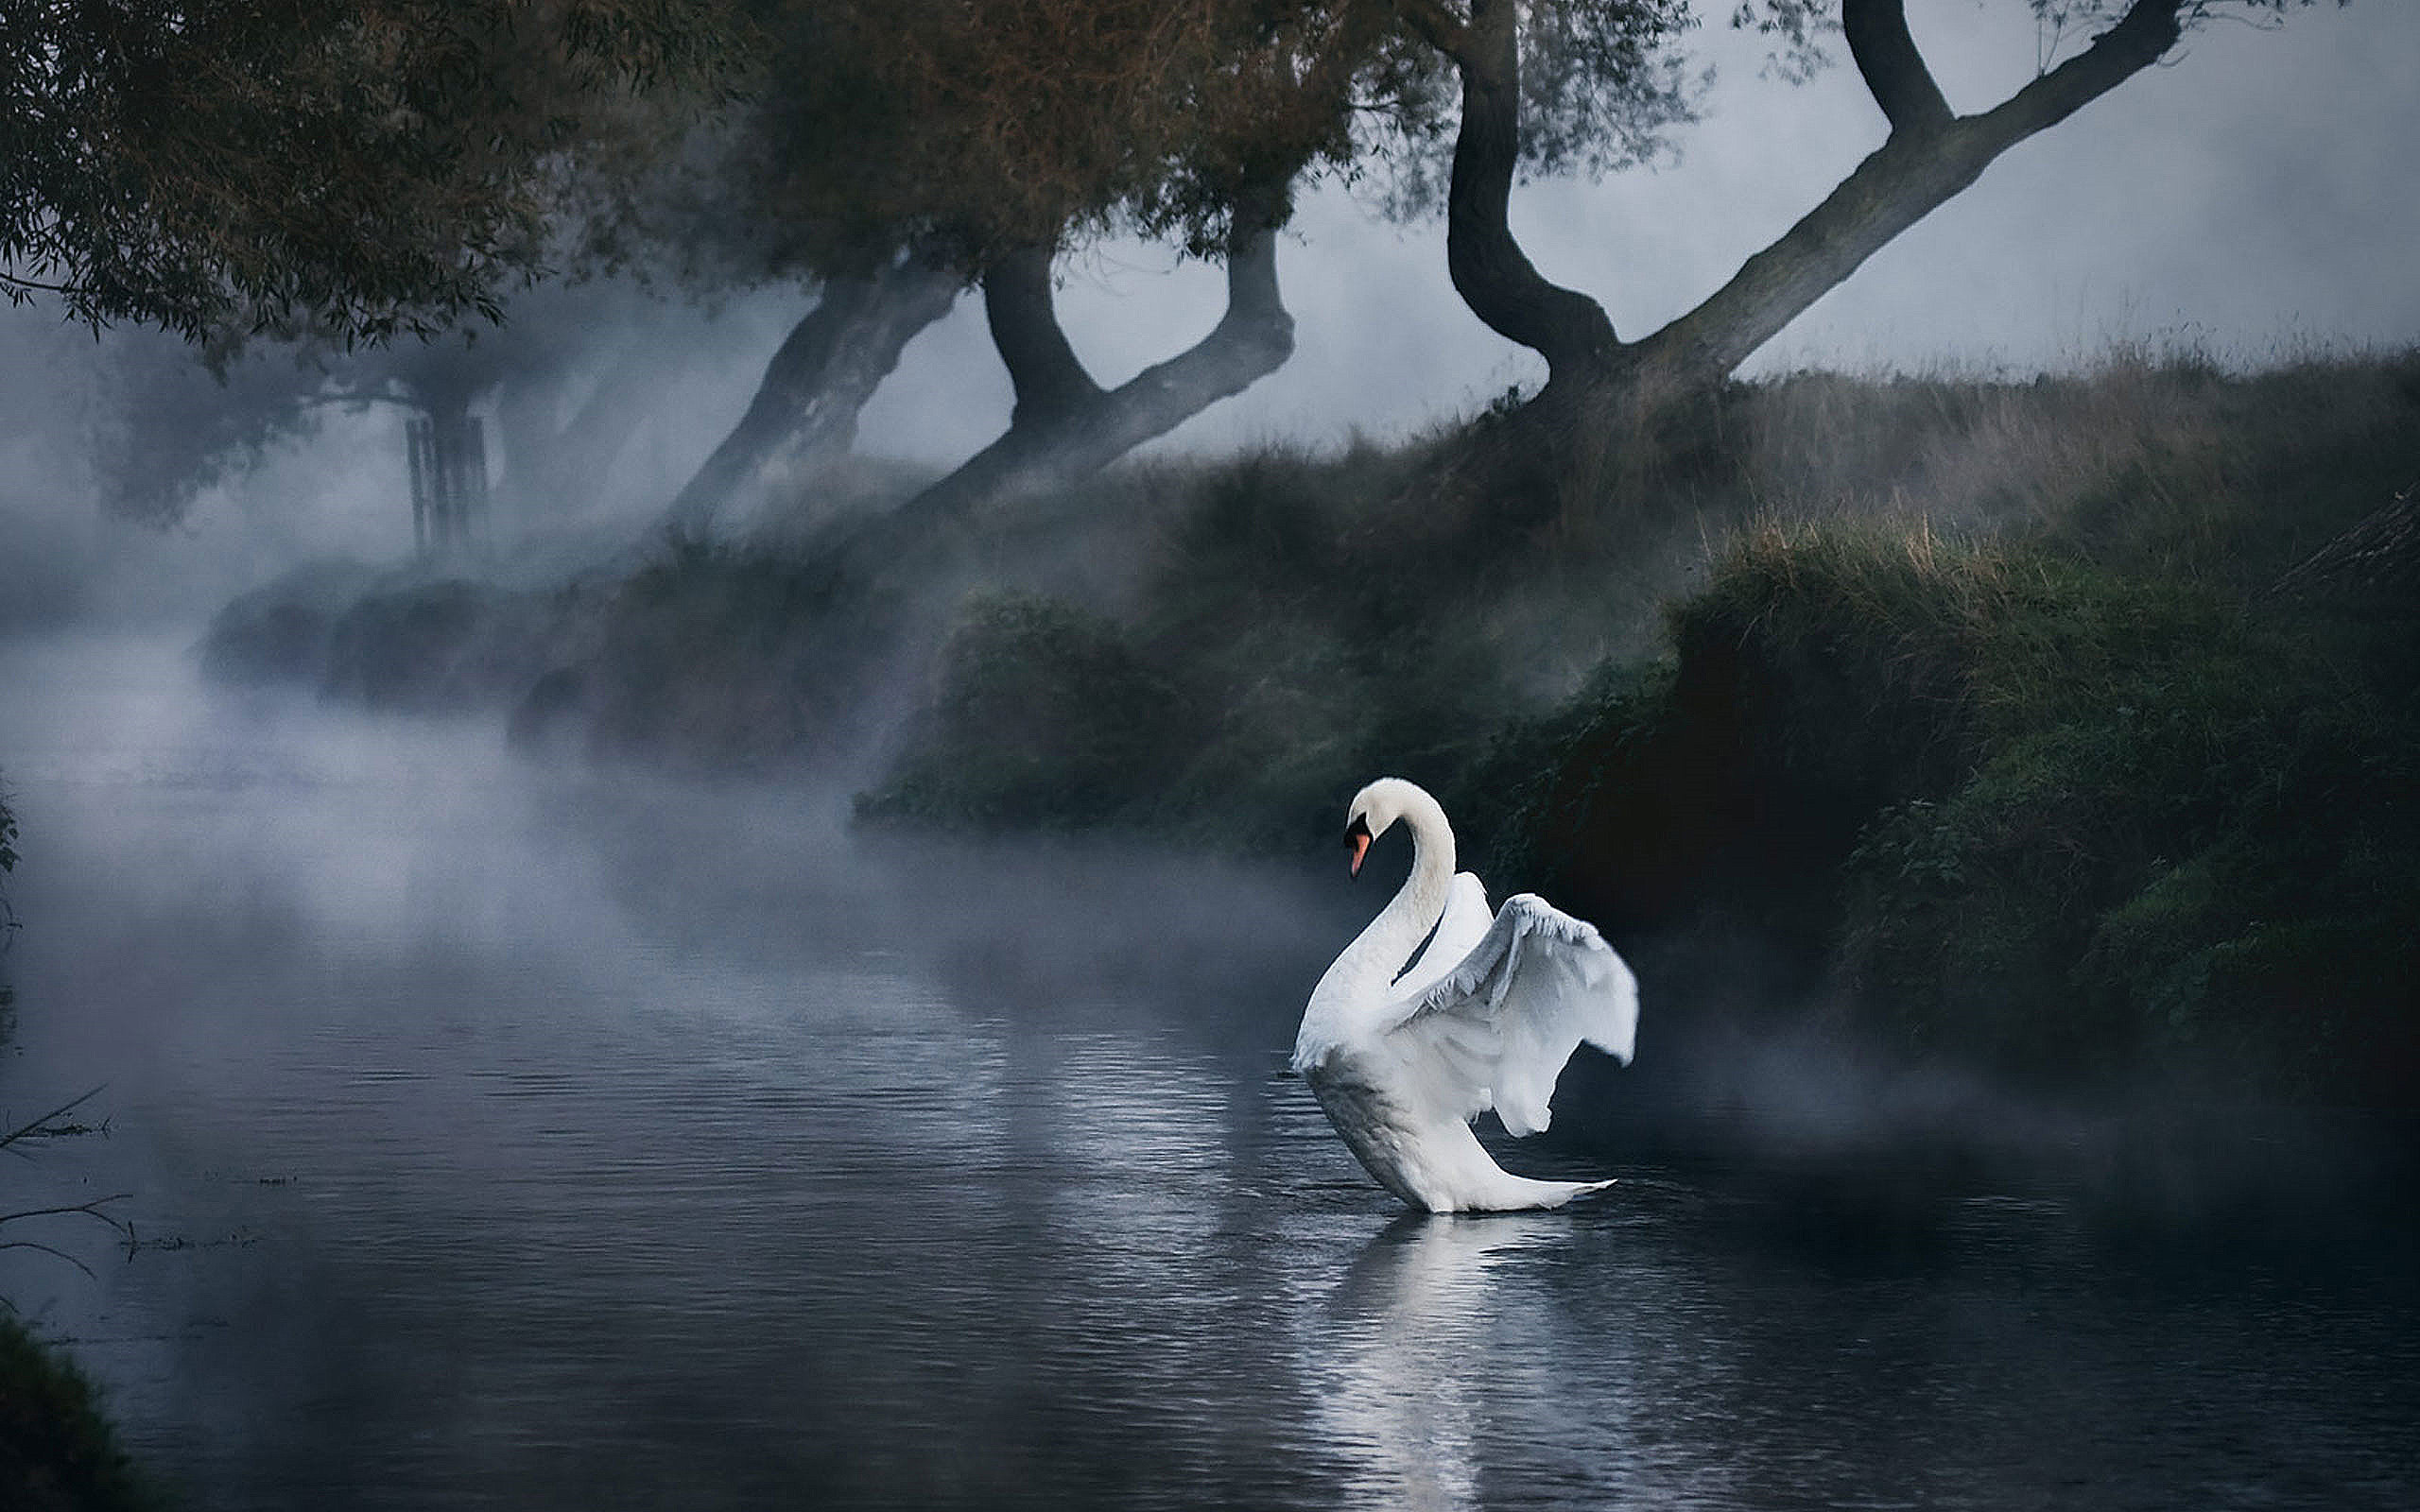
{"points": [[1466, 921], [1496, 1029]]}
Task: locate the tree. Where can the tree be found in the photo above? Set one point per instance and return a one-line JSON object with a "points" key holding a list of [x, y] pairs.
{"points": [[322, 173], [358, 169], [900, 152], [1066, 425], [1597, 379], [1326, 86], [565, 381]]}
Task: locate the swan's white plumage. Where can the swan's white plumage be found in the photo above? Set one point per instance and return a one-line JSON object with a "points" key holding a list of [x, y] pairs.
{"points": [[1500, 1024], [1484, 1017], [1466, 921]]}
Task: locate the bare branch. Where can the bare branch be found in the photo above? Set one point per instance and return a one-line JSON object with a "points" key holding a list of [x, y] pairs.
{"points": [[1893, 68], [56, 1254], [1020, 306], [1490, 270], [35, 1127], [90, 1209], [1894, 188], [2144, 34]]}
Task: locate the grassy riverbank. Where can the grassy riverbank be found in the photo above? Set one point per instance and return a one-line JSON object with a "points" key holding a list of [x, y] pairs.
{"points": [[2047, 761], [2021, 724]]}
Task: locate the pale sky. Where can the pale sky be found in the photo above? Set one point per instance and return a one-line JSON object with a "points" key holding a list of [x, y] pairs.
{"points": [[2256, 196]]}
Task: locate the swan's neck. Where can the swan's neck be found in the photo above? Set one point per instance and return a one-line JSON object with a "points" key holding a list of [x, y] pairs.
{"points": [[1360, 977]]}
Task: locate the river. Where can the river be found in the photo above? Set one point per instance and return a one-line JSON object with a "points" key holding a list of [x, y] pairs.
{"points": [[496, 1136]]}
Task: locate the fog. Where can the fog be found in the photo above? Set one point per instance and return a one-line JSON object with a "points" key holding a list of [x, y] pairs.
{"points": [[505, 1129], [500, 1135], [2253, 199], [2212, 205]]}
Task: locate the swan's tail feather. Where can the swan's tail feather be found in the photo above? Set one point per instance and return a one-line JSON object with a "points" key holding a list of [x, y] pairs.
{"points": [[1570, 1191], [1519, 1194]]}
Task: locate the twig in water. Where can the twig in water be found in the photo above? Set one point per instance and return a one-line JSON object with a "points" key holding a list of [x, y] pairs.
{"points": [[92, 1208], [43, 1127]]}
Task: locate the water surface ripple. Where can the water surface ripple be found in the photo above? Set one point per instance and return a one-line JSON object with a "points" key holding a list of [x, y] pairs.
{"points": [[506, 1139]]}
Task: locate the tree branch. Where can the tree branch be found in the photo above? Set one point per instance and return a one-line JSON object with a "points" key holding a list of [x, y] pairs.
{"points": [[806, 407], [1021, 311], [39, 1126], [2141, 37], [15, 284], [1489, 269], [46, 1249], [1897, 185], [1252, 340], [1436, 24], [1893, 68]]}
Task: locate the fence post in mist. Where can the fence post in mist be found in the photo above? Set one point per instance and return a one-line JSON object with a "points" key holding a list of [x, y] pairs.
{"points": [[416, 445], [449, 467]]}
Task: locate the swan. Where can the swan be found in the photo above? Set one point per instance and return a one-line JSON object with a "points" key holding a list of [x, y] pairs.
{"points": [[1401, 1054]]}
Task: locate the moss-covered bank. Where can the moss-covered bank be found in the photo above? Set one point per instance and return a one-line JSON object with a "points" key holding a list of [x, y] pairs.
{"points": [[2066, 823]]}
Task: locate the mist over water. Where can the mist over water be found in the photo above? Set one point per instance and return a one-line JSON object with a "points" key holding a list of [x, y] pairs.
{"points": [[498, 1134], [502, 1138]]}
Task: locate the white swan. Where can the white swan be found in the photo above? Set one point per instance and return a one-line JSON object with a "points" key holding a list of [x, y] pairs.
{"points": [[1402, 1057]]}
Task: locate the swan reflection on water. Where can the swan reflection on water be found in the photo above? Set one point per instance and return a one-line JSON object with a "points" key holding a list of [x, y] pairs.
{"points": [[1420, 1342]]}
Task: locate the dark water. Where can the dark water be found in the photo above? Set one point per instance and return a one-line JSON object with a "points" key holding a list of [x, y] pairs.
{"points": [[505, 1139]]}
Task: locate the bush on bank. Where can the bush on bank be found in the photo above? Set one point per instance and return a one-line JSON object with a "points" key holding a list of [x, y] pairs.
{"points": [[57, 1453]]}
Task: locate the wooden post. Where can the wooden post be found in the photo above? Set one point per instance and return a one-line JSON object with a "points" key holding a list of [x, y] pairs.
{"points": [[449, 470], [416, 446]]}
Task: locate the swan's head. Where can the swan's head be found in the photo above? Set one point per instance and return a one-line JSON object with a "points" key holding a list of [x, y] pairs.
{"points": [[1375, 811]]}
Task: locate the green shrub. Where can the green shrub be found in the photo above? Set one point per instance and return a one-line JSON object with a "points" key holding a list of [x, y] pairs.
{"points": [[729, 657], [1044, 717], [279, 633], [445, 644], [57, 1453], [2039, 816], [1972, 699]]}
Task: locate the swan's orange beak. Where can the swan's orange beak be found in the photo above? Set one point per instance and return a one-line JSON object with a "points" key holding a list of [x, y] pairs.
{"points": [[1358, 838]]}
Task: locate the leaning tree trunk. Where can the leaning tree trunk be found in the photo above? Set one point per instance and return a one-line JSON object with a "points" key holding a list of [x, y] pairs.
{"points": [[1597, 382], [550, 469], [804, 414], [1065, 426]]}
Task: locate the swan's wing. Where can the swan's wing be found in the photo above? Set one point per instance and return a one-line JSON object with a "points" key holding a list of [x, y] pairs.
{"points": [[1465, 924], [1495, 1030]]}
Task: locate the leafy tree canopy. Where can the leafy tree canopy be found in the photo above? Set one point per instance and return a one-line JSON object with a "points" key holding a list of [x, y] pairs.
{"points": [[969, 127], [355, 168]]}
